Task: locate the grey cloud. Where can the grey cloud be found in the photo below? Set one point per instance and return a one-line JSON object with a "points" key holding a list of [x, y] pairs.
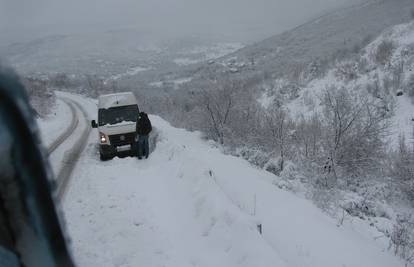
{"points": [[226, 17]]}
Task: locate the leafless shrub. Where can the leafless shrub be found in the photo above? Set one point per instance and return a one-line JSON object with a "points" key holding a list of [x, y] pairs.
{"points": [[95, 85], [59, 80], [387, 85], [383, 53], [403, 166], [409, 87], [363, 65], [41, 96], [402, 238], [307, 137]]}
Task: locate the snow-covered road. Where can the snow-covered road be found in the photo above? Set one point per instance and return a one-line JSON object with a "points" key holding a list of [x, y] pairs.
{"points": [[65, 135], [191, 205], [70, 128]]}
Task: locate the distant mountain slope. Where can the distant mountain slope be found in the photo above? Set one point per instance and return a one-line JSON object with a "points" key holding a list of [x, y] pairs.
{"points": [[112, 53], [323, 36]]}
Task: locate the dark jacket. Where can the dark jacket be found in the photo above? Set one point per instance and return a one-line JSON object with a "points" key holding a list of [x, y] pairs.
{"points": [[144, 126]]}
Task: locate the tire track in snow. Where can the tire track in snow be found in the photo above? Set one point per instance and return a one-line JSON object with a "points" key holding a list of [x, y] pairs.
{"points": [[72, 155], [68, 131]]}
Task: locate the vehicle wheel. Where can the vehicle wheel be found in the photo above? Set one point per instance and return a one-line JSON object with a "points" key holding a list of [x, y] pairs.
{"points": [[104, 157], [134, 150]]}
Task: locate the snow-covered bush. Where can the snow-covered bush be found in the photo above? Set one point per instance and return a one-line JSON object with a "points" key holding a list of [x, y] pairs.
{"points": [[347, 70], [282, 90], [359, 209], [292, 172], [254, 156], [367, 200], [326, 199]]}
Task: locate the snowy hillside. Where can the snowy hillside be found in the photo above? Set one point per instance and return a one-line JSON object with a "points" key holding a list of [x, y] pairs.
{"points": [[390, 85], [191, 205]]}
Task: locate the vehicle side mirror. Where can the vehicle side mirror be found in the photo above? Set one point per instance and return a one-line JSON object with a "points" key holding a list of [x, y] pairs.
{"points": [[93, 124]]}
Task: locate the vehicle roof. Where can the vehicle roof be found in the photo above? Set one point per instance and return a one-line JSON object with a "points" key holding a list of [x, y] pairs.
{"points": [[116, 100]]}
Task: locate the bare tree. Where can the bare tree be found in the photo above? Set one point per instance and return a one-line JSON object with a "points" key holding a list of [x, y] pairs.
{"points": [[307, 136], [218, 105], [279, 126], [355, 129]]}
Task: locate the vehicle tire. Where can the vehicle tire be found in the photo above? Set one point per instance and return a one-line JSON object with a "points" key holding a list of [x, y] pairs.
{"points": [[134, 150], [104, 157]]}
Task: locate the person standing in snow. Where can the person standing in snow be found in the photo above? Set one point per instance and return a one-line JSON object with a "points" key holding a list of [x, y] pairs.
{"points": [[143, 129]]}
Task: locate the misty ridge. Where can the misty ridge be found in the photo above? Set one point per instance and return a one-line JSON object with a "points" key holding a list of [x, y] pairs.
{"points": [[84, 34], [318, 93], [239, 19]]}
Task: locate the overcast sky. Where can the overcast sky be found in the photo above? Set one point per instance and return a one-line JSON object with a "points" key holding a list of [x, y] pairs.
{"points": [[222, 17]]}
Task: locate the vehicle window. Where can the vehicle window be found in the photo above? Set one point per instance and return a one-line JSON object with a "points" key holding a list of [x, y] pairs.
{"points": [[116, 115]]}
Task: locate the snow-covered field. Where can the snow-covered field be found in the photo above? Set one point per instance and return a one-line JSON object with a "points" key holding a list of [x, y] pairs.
{"points": [[191, 205]]}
